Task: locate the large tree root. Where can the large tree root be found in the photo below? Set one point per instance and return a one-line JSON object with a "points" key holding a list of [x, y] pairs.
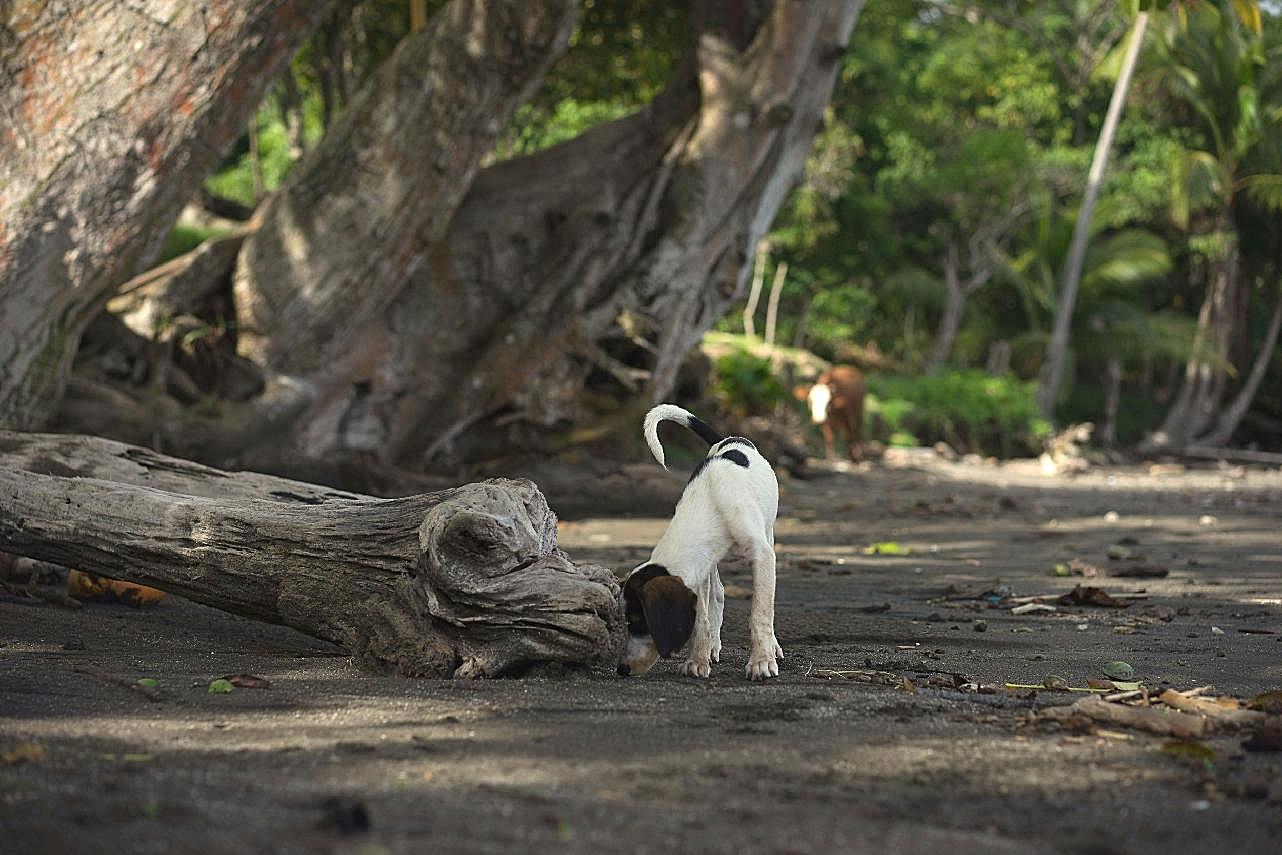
{"points": [[467, 581]]}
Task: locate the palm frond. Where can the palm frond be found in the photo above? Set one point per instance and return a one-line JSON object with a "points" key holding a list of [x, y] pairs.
{"points": [[1265, 190]]}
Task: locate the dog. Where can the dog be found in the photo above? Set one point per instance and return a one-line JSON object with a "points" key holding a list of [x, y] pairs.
{"points": [[677, 596]]}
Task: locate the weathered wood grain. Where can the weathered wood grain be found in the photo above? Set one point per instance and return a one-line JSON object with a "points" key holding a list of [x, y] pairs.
{"points": [[467, 581]]}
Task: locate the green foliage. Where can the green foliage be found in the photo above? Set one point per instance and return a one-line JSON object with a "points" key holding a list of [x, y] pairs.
{"points": [[533, 130], [840, 315], [746, 384], [970, 410], [235, 180], [967, 124], [184, 239], [621, 54]]}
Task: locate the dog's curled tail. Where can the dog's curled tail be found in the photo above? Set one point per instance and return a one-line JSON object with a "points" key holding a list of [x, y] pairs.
{"points": [[673, 413]]}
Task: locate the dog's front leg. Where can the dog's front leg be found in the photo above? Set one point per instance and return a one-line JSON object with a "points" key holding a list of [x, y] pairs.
{"points": [[699, 659], [716, 613], [764, 648]]}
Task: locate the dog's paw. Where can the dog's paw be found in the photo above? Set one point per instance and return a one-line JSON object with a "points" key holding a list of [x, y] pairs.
{"points": [[763, 662], [762, 667], [696, 668]]}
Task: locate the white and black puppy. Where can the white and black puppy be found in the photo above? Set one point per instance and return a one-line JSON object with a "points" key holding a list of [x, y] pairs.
{"points": [[677, 596]]}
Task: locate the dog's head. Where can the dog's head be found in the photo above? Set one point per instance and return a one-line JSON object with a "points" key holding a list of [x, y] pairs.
{"points": [[660, 613]]}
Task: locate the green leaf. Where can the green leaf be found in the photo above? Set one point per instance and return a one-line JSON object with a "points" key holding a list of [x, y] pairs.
{"points": [[1266, 190], [1248, 12], [886, 547], [147, 682], [1118, 670], [221, 687]]}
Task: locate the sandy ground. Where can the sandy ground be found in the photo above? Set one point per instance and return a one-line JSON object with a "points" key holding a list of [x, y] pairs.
{"points": [[331, 760]]}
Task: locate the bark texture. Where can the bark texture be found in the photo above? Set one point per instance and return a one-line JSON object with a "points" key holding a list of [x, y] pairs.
{"points": [[352, 223], [1206, 373], [1057, 348], [500, 304], [466, 582], [111, 113], [957, 292]]}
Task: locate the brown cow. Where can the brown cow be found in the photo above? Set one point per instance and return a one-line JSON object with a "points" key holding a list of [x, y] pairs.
{"points": [[836, 402]]}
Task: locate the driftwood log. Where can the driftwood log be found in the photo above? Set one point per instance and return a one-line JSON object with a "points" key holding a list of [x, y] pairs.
{"points": [[466, 582]]}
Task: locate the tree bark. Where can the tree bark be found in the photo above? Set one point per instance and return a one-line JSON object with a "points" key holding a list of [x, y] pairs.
{"points": [[653, 216], [1206, 371], [352, 223], [110, 116], [772, 305], [1057, 347], [1112, 401], [954, 302], [754, 291], [384, 297], [1229, 419], [467, 581]]}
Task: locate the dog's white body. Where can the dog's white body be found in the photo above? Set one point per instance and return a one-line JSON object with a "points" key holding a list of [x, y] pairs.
{"points": [[726, 506]]}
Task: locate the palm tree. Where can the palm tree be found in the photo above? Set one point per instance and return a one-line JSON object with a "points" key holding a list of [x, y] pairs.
{"points": [[1057, 348], [1248, 13], [1220, 68], [1109, 326]]}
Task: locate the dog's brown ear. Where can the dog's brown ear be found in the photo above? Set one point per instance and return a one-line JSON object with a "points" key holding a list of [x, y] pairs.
{"points": [[669, 613]]}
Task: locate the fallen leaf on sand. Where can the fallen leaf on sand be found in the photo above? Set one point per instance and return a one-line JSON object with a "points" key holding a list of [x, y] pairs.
{"points": [[25, 752], [247, 681], [90, 586], [1032, 608], [221, 687], [886, 547], [1118, 670], [1090, 596]]}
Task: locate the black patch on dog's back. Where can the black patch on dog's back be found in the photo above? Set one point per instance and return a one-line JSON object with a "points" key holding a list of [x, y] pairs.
{"points": [[741, 440], [733, 455]]}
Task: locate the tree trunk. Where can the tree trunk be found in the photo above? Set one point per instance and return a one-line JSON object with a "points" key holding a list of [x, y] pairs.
{"points": [[1057, 347], [803, 321], [1206, 371], [113, 116], [772, 306], [499, 306], [954, 302], [754, 292], [946, 333], [1112, 401], [1229, 419], [353, 222], [467, 581]]}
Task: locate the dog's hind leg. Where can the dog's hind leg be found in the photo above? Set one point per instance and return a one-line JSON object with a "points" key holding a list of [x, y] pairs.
{"points": [[699, 657], [716, 612]]}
